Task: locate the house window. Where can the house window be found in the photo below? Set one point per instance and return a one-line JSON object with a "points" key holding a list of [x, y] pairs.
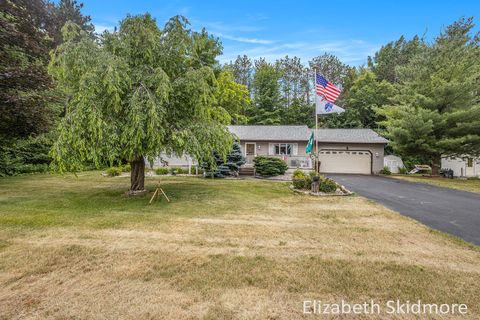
{"points": [[283, 149], [470, 162]]}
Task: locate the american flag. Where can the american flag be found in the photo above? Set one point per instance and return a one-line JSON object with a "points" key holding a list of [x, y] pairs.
{"points": [[326, 89]]}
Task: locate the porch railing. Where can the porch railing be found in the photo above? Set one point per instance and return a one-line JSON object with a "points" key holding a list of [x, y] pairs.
{"points": [[297, 161]]}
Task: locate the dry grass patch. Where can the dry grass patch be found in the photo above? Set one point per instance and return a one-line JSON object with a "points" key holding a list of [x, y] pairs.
{"points": [[221, 250]]}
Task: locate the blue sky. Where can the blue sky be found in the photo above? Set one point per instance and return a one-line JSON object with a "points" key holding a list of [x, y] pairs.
{"points": [[352, 30]]}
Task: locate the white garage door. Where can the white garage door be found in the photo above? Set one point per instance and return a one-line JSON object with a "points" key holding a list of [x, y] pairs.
{"points": [[345, 162]]}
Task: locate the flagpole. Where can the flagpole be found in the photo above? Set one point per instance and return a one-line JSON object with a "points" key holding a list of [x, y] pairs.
{"points": [[316, 119]]}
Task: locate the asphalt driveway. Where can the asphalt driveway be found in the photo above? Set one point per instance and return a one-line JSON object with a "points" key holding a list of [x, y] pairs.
{"points": [[448, 210]]}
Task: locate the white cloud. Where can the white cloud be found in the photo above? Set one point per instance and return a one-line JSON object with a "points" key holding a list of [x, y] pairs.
{"points": [[353, 52], [243, 39], [220, 27], [99, 28]]}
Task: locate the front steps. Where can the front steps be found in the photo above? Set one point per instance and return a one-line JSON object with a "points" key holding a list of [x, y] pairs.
{"points": [[246, 171]]}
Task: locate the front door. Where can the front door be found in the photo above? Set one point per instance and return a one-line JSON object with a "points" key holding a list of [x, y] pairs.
{"points": [[249, 152]]}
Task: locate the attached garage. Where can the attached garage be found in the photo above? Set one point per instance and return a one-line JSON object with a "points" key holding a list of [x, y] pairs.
{"points": [[357, 151], [343, 161]]}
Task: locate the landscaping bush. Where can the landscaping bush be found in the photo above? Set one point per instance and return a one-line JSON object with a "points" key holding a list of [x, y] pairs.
{"points": [[298, 183], [29, 155], [410, 161], [269, 166], [182, 170], [162, 171], [327, 186], [302, 183], [301, 180], [299, 174], [126, 168], [386, 171], [402, 170], [114, 171]]}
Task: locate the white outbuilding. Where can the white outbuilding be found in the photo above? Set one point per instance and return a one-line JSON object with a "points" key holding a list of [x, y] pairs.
{"points": [[393, 163], [466, 166]]}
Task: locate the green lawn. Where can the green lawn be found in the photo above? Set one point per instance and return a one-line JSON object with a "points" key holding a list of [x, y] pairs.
{"points": [[221, 249], [472, 185]]}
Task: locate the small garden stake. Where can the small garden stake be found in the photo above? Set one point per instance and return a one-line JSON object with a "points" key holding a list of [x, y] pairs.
{"points": [[157, 192]]}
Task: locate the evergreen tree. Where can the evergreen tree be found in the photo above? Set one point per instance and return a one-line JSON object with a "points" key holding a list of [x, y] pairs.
{"points": [[291, 80], [267, 101], [230, 167], [332, 68], [437, 109], [393, 55], [242, 70], [299, 113], [68, 10]]}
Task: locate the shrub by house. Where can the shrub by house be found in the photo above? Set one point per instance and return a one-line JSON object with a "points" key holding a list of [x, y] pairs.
{"points": [[269, 166]]}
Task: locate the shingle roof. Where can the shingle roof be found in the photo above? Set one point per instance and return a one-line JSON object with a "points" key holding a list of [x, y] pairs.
{"points": [[271, 133], [350, 136], [302, 133]]}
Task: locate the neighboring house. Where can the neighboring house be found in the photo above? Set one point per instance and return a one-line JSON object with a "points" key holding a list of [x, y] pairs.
{"points": [[462, 166], [393, 163], [172, 161], [340, 150]]}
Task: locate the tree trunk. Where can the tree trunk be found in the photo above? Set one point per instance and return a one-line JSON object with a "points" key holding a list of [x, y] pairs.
{"points": [[436, 166], [137, 175]]}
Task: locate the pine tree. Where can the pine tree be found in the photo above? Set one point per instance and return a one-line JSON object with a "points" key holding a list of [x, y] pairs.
{"points": [[242, 69], [437, 109], [230, 167], [267, 101]]}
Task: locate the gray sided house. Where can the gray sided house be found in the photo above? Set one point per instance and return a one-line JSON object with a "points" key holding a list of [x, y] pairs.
{"points": [[340, 150]]}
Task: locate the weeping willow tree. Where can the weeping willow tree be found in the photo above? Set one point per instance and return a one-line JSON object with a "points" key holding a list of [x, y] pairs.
{"points": [[137, 92]]}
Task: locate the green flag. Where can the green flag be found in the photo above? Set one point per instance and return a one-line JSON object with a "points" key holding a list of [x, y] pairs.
{"points": [[310, 144]]}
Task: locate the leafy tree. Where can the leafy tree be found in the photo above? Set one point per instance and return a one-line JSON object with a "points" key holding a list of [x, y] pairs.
{"points": [[24, 82], [437, 110], [365, 95], [392, 55], [299, 112], [137, 92], [267, 102], [348, 119], [226, 167], [233, 97]]}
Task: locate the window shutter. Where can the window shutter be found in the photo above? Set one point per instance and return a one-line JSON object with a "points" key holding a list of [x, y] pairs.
{"points": [[271, 150], [295, 149]]}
